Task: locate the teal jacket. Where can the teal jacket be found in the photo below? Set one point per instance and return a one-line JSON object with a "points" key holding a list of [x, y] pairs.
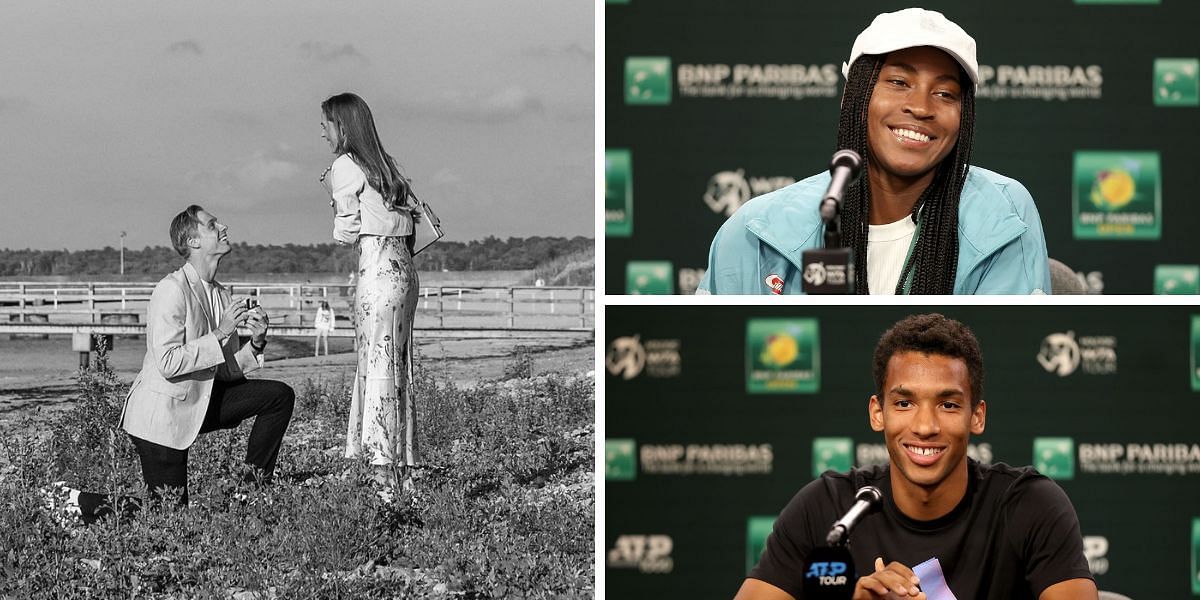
{"points": [[1001, 248]]}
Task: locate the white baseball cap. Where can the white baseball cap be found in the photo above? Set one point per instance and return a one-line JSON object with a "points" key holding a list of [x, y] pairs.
{"points": [[914, 27]]}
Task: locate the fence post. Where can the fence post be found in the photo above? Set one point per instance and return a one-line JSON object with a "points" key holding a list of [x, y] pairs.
{"points": [[512, 306], [92, 300], [22, 303], [551, 301], [583, 308], [458, 306], [441, 307]]}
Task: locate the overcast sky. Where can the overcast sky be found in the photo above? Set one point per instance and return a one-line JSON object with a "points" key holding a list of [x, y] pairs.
{"points": [[117, 115]]}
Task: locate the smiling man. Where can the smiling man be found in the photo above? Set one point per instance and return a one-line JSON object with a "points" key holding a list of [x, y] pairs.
{"points": [[922, 220], [193, 376], [949, 527]]}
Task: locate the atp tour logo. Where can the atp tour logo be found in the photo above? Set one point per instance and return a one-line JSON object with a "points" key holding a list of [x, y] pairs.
{"points": [[626, 357], [646, 553], [775, 282], [827, 572], [814, 273], [1059, 354], [729, 190], [1062, 354]]}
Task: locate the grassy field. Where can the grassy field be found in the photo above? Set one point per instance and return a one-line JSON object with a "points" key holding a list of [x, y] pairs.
{"points": [[507, 512]]}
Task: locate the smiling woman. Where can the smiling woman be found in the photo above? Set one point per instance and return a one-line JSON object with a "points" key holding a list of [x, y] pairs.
{"points": [[922, 220]]}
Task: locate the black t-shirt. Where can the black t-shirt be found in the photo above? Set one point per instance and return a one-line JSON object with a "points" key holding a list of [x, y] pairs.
{"points": [[1013, 535]]}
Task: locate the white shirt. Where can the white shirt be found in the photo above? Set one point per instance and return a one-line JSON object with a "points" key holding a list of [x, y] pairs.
{"points": [[214, 301], [887, 247]]}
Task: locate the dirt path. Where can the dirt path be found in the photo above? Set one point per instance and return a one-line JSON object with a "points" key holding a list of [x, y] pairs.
{"points": [[40, 376]]}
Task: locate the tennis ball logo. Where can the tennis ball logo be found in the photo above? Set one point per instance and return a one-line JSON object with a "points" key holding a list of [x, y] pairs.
{"points": [[781, 350], [1113, 189]]}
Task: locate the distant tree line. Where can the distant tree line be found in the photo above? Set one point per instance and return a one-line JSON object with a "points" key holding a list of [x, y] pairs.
{"points": [[488, 254]]}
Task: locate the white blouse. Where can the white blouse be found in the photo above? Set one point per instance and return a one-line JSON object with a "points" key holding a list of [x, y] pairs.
{"points": [[358, 207]]}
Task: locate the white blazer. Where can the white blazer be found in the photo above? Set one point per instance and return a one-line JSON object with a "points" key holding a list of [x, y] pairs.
{"points": [[169, 398]]}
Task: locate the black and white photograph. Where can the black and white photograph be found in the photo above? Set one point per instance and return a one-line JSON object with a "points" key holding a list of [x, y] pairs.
{"points": [[297, 300]]}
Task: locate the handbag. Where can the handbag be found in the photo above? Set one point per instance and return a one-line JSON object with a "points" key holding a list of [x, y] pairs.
{"points": [[427, 227]]}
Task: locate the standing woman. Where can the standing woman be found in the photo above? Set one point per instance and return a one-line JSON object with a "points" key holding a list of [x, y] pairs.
{"points": [[372, 210], [323, 324]]}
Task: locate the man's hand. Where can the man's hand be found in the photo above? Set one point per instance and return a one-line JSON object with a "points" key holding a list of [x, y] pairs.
{"points": [[257, 321], [231, 317], [888, 583]]}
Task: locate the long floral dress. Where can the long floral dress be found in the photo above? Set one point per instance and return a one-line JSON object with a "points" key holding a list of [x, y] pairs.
{"points": [[382, 410]]}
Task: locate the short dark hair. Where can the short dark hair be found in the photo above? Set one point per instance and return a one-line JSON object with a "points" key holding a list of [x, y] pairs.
{"points": [[931, 334], [184, 227]]}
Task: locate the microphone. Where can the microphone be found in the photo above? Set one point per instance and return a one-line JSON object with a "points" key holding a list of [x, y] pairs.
{"points": [[865, 501], [844, 167], [830, 270]]}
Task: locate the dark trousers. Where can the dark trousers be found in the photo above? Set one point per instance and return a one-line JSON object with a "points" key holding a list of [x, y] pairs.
{"points": [[269, 402]]}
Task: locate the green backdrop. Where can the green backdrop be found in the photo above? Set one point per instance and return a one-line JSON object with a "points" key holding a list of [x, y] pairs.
{"points": [[704, 444], [709, 103]]}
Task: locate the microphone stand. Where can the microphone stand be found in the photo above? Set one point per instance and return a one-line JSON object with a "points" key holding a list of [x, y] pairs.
{"points": [[830, 270]]}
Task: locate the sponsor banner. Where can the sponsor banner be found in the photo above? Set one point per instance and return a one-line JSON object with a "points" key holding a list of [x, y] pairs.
{"points": [[707, 459], [645, 553], [1139, 459], [1196, 557], [1095, 548], [618, 193], [1041, 82], [1195, 362], [649, 277], [743, 81], [620, 462], [1177, 279], [629, 357], [1054, 457], [1064, 354], [1177, 82], [648, 80], [689, 279], [729, 190], [1117, 195], [832, 454], [783, 356], [757, 530]]}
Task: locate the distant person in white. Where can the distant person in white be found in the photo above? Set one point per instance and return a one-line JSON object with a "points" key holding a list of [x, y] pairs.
{"points": [[323, 324]]}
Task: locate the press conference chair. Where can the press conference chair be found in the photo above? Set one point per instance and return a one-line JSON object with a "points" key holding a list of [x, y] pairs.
{"points": [[1064, 280]]}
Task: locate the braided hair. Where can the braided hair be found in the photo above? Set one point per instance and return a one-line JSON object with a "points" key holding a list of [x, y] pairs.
{"points": [[934, 260]]}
